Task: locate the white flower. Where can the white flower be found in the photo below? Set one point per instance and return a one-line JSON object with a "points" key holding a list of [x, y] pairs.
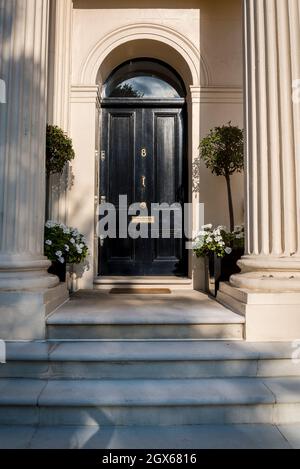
{"points": [[81, 245], [209, 239], [228, 250], [221, 243], [49, 242], [58, 253], [222, 228], [207, 227], [239, 236], [67, 248], [217, 232], [61, 260], [66, 230], [75, 232], [218, 239], [238, 228], [72, 240], [78, 249], [50, 224]]}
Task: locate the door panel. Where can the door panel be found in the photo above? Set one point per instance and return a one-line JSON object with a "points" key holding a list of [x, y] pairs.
{"points": [[144, 160]]}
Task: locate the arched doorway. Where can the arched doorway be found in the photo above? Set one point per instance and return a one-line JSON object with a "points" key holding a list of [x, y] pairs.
{"points": [[143, 157]]}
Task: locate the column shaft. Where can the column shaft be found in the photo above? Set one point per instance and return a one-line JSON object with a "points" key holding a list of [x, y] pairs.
{"points": [[23, 66], [272, 50]]}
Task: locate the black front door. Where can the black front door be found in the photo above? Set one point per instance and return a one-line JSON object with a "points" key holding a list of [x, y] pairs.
{"points": [[142, 158]]}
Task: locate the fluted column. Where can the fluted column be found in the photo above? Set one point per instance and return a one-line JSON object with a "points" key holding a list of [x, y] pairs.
{"points": [[59, 89], [23, 67], [272, 64]]}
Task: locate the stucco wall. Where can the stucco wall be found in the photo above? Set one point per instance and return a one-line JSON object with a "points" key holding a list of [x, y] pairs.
{"points": [[213, 27]]}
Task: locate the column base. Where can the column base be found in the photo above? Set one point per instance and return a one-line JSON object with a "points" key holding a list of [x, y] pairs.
{"points": [[268, 274], [23, 313], [21, 272], [270, 316]]}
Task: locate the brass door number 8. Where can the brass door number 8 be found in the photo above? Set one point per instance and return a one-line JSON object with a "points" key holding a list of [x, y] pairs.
{"points": [[143, 152]]}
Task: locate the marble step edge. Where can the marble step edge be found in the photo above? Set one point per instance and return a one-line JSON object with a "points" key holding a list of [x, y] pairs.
{"points": [[148, 350], [143, 392], [85, 319]]}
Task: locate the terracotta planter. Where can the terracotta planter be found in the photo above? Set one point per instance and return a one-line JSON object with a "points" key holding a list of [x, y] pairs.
{"points": [[58, 269], [220, 269]]}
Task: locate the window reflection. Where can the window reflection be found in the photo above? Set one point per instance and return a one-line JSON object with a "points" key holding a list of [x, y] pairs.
{"points": [[143, 87]]}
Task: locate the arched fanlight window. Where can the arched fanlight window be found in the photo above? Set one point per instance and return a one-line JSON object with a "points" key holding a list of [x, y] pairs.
{"points": [[143, 79]]}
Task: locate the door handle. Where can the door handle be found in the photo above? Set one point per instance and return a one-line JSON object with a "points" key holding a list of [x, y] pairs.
{"points": [[143, 178]]}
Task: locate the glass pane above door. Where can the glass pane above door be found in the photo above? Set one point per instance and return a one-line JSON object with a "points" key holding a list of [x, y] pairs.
{"points": [[143, 87]]}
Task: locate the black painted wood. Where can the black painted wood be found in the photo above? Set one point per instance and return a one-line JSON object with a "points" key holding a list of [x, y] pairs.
{"points": [[126, 130]]}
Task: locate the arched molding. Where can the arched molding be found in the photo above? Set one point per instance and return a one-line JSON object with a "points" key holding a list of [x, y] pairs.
{"points": [[145, 31]]}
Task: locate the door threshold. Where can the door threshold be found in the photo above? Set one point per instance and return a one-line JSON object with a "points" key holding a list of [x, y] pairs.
{"points": [[106, 282]]}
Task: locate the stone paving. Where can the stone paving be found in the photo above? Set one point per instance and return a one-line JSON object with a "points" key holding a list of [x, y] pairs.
{"points": [[177, 437]]}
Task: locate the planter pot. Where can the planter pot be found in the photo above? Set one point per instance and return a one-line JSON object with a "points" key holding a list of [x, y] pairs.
{"points": [[220, 269], [212, 274], [58, 269]]}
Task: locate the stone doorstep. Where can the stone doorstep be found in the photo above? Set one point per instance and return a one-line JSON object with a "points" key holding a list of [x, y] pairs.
{"points": [[106, 283]]}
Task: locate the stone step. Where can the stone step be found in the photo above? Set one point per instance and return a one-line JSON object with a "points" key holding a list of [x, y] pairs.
{"points": [[174, 283], [179, 315], [150, 402], [204, 331], [148, 360]]}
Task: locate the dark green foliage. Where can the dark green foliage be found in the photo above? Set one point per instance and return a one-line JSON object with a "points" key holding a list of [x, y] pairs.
{"points": [[59, 150], [223, 150]]}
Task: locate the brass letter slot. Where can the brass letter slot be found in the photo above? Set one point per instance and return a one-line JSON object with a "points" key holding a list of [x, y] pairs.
{"points": [[148, 220]]}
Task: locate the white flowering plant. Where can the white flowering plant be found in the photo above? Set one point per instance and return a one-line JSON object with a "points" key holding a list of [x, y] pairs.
{"points": [[64, 244], [219, 241]]}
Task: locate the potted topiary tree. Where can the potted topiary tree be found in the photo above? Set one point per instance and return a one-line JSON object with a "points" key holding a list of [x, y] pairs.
{"points": [[223, 153]]}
